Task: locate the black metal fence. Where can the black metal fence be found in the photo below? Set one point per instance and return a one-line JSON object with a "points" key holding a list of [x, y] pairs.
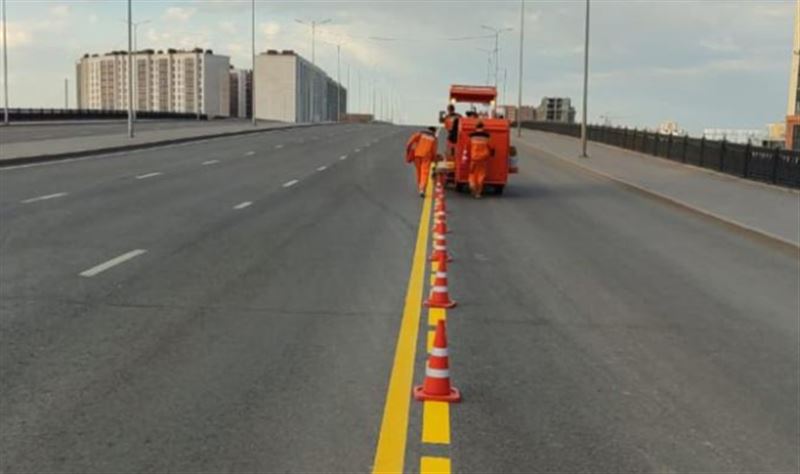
{"points": [[772, 165], [34, 115]]}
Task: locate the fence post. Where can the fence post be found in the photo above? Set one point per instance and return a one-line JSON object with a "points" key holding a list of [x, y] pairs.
{"points": [[748, 151], [775, 158], [685, 147], [702, 149], [656, 140], [669, 146], [722, 154]]}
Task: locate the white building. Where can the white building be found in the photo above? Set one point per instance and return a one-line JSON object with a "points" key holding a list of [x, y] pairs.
{"points": [[736, 135], [290, 89], [172, 81], [670, 127]]}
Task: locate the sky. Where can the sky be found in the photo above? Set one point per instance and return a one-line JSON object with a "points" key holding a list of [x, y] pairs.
{"points": [[702, 63]]}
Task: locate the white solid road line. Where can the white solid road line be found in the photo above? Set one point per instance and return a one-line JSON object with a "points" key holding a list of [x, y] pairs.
{"points": [[210, 162], [250, 153], [322, 168], [149, 175], [242, 205], [279, 146], [112, 263], [343, 157], [290, 183], [43, 198]]}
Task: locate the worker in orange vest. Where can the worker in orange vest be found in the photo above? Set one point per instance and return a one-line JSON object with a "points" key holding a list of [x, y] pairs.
{"points": [[480, 151], [451, 127], [421, 150]]}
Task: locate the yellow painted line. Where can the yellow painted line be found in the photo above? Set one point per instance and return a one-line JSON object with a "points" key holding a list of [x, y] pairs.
{"points": [[435, 314], [391, 449], [429, 345], [432, 465], [436, 422]]}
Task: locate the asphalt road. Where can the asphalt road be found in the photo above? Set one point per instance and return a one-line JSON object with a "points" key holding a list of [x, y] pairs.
{"points": [[29, 131], [247, 317]]}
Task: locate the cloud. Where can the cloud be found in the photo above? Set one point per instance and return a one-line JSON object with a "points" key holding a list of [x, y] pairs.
{"points": [[178, 14], [93, 18], [17, 35], [270, 29], [60, 11], [228, 26]]}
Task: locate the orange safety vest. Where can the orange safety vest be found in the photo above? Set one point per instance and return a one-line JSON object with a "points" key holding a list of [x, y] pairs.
{"points": [[479, 147], [425, 146]]}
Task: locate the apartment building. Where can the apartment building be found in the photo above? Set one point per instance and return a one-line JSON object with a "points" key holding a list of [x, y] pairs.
{"points": [[193, 81], [290, 89], [556, 109], [527, 112], [793, 107], [241, 92]]}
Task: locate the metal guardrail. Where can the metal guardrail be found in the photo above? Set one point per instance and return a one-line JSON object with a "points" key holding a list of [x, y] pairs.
{"points": [[772, 165], [31, 114]]}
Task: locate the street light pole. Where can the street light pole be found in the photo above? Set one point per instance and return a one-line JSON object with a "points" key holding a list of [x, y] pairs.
{"points": [[521, 44], [5, 67], [252, 64], [130, 70], [66, 93], [585, 84], [338, 82]]}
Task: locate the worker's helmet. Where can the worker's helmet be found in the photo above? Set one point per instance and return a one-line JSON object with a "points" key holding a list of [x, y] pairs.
{"points": [[451, 108]]}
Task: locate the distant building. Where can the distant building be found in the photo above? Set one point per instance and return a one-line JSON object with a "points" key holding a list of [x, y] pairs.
{"points": [[284, 84], [241, 92], [556, 109], [793, 107], [527, 114], [670, 127], [736, 135], [172, 81], [776, 134]]}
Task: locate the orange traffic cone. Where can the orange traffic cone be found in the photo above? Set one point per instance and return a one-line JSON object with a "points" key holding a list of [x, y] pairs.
{"points": [[436, 385], [440, 227], [440, 248], [439, 296], [440, 205]]}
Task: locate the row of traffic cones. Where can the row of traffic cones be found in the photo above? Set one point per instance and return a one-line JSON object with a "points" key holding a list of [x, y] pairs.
{"points": [[436, 386]]}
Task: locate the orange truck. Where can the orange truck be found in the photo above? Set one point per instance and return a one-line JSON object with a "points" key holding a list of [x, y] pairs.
{"points": [[502, 162]]}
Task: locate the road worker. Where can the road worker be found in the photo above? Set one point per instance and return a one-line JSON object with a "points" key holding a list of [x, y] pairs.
{"points": [[451, 128], [480, 151], [421, 150]]}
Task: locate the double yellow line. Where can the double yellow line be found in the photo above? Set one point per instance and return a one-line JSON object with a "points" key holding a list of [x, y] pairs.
{"points": [[390, 452]]}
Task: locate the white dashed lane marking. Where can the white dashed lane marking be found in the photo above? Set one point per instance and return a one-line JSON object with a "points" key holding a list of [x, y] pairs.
{"points": [[322, 168], [289, 184], [112, 263], [242, 205], [279, 146], [343, 157], [210, 162], [250, 153], [149, 175], [43, 198]]}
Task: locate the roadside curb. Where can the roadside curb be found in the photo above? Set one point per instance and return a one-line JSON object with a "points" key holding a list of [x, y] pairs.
{"points": [[24, 160], [752, 231]]}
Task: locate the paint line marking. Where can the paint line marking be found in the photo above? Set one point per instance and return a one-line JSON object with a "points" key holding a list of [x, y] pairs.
{"points": [[291, 183], [279, 146], [242, 205], [149, 175], [322, 168], [434, 465], [210, 162], [356, 150], [250, 153], [343, 157], [43, 198], [390, 452], [429, 342], [435, 314], [436, 422], [112, 263]]}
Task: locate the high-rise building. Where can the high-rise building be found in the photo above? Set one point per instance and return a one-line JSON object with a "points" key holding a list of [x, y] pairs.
{"points": [[793, 108], [556, 109], [290, 89], [241, 92], [172, 81], [527, 112]]}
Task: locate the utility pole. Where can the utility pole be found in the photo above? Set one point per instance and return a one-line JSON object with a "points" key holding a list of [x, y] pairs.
{"points": [[347, 103], [252, 64], [338, 82], [130, 70], [313, 24], [66, 93], [521, 44], [496, 32], [585, 84], [5, 67]]}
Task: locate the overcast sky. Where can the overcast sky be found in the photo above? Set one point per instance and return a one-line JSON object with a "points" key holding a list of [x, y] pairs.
{"points": [[703, 63]]}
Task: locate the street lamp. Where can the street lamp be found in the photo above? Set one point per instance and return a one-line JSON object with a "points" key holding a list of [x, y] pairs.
{"points": [[252, 65], [5, 67], [585, 84], [521, 44], [130, 70], [313, 24], [496, 32], [136, 76]]}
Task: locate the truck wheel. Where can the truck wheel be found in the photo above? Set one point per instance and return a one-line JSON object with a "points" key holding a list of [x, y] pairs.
{"points": [[499, 189], [461, 187]]}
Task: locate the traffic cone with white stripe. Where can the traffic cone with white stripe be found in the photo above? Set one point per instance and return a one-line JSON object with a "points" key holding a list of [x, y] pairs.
{"points": [[440, 207], [436, 385], [439, 296], [440, 226], [440, 248]]}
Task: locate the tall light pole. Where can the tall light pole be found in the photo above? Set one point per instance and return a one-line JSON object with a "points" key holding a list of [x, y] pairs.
{"points": [[489, 54], [130, 70], [136, 76], [252, 64], [496, 32], [313, 24], [347, 102], [585, 84], [5, 67], [66, 93], [521, 43]]}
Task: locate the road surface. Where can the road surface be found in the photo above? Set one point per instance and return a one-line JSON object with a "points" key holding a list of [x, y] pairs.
{"points": [[235, 305]]}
